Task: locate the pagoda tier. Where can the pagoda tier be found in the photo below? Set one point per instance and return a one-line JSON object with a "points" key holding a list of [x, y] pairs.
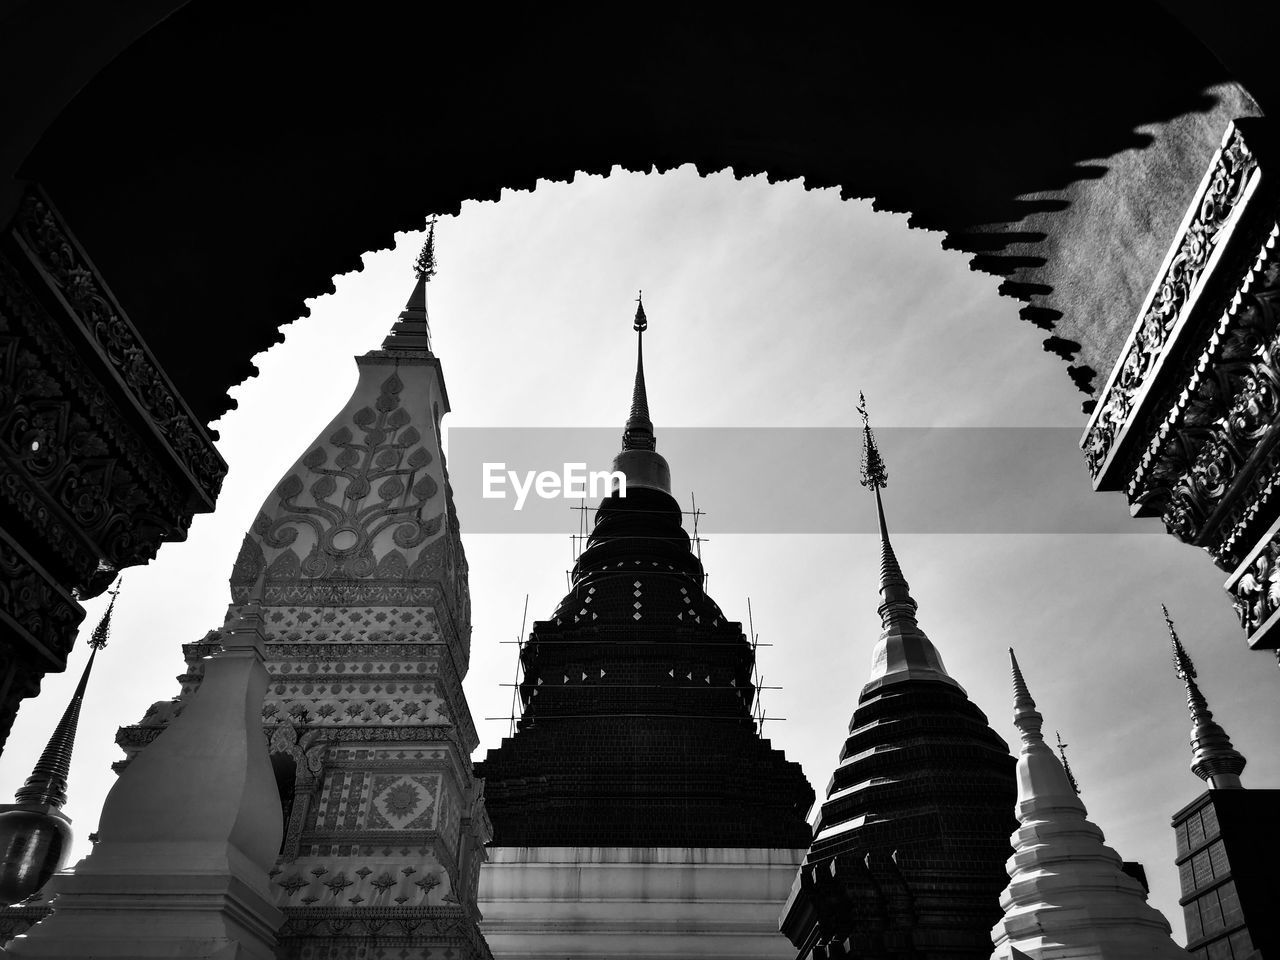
{"points": [[637, 726], [909, 849]]}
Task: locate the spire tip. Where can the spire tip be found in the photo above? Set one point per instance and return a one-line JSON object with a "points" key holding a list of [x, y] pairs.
{"points": [[875, 476], [102, 632], [424, 268]]}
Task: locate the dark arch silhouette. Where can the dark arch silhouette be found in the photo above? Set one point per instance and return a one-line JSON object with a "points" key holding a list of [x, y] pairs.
{"points": [[234, 158]]}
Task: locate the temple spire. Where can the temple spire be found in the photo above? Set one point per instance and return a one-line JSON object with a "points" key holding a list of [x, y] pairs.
{"points": [[1214, 759], [639, 431], [34, 832], [898, 605], [47, 784], [904, 652], [639, 459], [1068, 895], [411, 332], [1026, 717]]}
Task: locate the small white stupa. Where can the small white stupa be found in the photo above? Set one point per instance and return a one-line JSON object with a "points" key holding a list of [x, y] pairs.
{"points": [[1067, 897]]}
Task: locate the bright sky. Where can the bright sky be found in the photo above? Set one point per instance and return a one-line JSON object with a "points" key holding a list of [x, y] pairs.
{"points": [[769, 306]]}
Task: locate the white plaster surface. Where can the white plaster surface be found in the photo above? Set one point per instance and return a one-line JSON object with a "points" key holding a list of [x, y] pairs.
{"points": [[641, 903]]}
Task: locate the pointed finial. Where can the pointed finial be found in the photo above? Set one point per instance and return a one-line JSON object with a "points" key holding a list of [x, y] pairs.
{"points": [[411, 333], [424, 268], [1026, 717], [638, 434], [1213, 757], [1062, 752], [1182, 665], [47, 785], [898, 606], [874, 474], [102, 632]]}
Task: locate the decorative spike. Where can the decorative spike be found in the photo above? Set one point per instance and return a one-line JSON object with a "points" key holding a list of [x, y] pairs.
{"points": [[1214, 758], [411, 333], [424, 268], [641, 323], [102, 632], [874, 473], [1182, 665], [1062, 752]]}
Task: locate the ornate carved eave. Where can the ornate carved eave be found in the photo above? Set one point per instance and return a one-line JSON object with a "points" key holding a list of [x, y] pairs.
{"points": [[1167, 319], [1189, 424], [100, 460], [1207, 470]]}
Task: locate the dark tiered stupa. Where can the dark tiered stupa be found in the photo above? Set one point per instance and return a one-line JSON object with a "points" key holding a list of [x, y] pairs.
{"points": [[637, 727], [908, 855]]}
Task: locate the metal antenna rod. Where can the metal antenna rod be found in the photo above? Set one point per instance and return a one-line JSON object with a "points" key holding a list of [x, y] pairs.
{"points": [[515, 687]]}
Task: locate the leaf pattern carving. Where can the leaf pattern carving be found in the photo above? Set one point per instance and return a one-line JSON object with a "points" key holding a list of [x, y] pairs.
{"points": [[374, 483]]}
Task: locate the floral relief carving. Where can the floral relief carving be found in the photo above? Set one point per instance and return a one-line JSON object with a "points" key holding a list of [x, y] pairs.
{"points": [[53, 249], [1229, 409], [1256, 595], [1230, 177], [43, 612], [75, 466], [374, 483]]}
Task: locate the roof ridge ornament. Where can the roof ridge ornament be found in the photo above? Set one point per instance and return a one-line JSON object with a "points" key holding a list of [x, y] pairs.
{"points": [[1214, 758]]}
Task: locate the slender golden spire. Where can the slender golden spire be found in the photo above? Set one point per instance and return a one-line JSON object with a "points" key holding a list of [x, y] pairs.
{"points": [[411, 332], [47, 785], [1062, 752], [1214, 759], [638, 434], [898, 605]]}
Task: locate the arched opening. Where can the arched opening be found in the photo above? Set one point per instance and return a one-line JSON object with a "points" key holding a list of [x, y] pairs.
{"points": [[1022, 186]]}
